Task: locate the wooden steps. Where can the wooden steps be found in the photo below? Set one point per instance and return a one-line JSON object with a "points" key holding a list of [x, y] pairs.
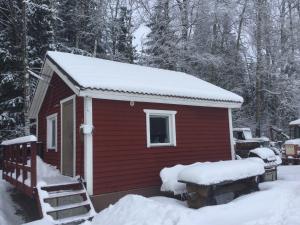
{"points": [[66, 203], [65, 194]]}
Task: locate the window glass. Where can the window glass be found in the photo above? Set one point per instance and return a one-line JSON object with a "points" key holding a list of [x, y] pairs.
{"points": [[297, 132], [159, 129], [53, 133]]}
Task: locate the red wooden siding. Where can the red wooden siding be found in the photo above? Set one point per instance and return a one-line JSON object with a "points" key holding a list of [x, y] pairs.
{"points": [[123, 162], [57, 91]]}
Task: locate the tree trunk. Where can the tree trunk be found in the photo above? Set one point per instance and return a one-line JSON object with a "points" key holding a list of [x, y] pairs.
{"points": [[241, 21], [282, 27], [291, 30], [259, 66], [26, 86]]}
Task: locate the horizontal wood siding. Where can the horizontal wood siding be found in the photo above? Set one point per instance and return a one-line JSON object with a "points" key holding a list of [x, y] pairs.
{"points": [[122, 160], [57, 91]]}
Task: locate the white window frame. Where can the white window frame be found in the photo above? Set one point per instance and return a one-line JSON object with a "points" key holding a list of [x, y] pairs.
{"points": [[172, 126], [49, 131]]}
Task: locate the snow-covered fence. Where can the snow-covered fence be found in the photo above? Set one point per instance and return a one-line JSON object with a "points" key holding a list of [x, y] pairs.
{"points": [[19, 163]]}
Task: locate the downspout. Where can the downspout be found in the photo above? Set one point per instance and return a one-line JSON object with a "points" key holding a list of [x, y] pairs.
{"points": [[231, 134], [87, 130]]}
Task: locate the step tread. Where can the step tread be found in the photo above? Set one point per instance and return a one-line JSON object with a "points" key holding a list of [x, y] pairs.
{"points": [[71, 219], [62, 187], [61, 184], [66, 193], [69, 206]]}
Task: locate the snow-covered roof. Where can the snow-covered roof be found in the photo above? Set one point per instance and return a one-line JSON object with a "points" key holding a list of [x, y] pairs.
{"points": [[100, 74], [295, 122], [293, 142], [20, 140], [216, 172], [105, 79]]}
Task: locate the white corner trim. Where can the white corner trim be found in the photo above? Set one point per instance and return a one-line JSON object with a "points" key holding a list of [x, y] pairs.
{"points": [[48, 119], [88, 145], [72, 97], [172, 126], [231, 134]]}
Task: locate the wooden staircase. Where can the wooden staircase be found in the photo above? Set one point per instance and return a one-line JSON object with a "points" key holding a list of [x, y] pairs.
{"points": [[65, 203]]}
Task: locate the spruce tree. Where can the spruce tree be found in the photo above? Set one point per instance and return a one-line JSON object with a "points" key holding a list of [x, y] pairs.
{"points": [[125, 50], [160, 47]]}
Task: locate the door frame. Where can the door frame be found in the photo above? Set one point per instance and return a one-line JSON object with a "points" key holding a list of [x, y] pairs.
{"points": [[73, 98]]}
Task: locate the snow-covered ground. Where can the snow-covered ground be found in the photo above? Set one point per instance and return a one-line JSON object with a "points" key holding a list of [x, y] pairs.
{"points": [[277, 203], [8, 209]]}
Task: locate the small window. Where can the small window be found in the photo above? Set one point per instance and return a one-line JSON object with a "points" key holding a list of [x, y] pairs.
{"points": [[161, 130], [52, 131]]}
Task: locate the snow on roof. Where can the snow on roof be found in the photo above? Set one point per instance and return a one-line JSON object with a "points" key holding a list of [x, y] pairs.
{"points": [[20, 140], [295, 122], [293, 142], [99, 74], [216, 172], [264, 153]]}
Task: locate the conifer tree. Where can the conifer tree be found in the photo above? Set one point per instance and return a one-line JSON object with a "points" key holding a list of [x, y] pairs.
{"points": [[160, 48]]}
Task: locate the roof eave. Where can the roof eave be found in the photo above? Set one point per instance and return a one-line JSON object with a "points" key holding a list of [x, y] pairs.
{"points": [[137, 97]]}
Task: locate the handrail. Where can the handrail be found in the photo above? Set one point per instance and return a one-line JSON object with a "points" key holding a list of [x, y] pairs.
{"points": [[20, 165]]}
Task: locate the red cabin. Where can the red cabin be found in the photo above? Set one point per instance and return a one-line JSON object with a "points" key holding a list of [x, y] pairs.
{"points": [[117, 125]]}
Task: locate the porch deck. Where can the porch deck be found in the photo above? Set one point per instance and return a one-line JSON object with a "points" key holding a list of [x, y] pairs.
{"points": [[59, 198]]}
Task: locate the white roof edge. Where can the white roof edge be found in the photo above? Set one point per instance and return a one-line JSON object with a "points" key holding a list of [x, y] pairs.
{"points": [[120, 96]]}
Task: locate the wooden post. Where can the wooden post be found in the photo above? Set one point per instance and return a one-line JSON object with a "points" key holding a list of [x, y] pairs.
{"points": [[4, 161], [33, 165]]}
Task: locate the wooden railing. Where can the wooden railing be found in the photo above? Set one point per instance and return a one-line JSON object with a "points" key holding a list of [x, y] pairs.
{"points": [[19, 166]]}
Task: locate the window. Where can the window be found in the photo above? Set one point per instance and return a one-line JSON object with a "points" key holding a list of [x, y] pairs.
{"points": [[161, 129], [52, 131]]}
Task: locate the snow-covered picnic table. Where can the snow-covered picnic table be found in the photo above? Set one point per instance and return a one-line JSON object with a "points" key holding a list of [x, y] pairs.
{"points": [[213, 182], [208, 173]]}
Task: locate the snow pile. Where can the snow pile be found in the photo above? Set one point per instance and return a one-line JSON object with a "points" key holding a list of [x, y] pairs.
{"points": [[137, 210], [20, 140], [49, 175], [45, 171], [169, 178], [264, 153], [277, 204], [216, 172], [293, 142], [46, 174], [44, 221], [278, 160], [100, 74]]}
